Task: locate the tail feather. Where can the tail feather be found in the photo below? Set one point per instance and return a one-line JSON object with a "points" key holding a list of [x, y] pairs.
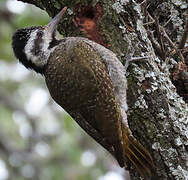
{"points": [[137, 155], [138, 164]]}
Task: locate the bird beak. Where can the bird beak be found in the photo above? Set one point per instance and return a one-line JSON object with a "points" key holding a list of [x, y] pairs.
{"points": [[52, 25]]}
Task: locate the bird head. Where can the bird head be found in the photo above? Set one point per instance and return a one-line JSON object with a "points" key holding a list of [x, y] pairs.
{"points": [[33, 45]]}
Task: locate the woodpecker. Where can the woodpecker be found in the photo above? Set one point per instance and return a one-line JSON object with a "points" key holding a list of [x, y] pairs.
{"points": [[88, 81]]}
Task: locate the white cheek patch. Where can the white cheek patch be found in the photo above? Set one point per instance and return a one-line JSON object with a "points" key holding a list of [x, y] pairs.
{"points": [[47, 38], [29, 46], [44, 53]]}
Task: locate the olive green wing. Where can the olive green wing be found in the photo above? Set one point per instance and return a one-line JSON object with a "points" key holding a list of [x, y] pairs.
{"points": [[100, 110]]}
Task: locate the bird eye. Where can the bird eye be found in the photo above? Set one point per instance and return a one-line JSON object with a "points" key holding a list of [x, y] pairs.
{"points": [[39, 34]]}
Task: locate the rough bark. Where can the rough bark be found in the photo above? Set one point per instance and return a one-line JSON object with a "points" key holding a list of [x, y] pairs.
{"points": [[158, 115]]}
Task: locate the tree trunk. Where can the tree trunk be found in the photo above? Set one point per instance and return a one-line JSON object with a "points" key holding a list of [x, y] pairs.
{"points": [[158, 86]]}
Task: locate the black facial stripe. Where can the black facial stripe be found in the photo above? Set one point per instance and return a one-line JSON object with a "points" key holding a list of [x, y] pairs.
{"points": [[37, 44], [53, 43]]}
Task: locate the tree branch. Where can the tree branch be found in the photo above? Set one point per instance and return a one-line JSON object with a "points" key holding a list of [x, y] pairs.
{"points": [[184, 36]]}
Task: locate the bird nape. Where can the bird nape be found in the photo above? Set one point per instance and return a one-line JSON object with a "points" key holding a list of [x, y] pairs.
{"points": [[88, 81]]}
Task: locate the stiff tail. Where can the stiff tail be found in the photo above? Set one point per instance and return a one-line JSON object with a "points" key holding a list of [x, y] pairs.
{"points": [[137, 154]]}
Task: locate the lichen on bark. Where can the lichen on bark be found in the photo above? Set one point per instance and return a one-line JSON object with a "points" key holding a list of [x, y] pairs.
{"points": [[157, 115]]}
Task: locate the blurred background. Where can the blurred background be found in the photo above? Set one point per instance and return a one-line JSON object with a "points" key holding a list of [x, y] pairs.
{"points": [[38, 140]]}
